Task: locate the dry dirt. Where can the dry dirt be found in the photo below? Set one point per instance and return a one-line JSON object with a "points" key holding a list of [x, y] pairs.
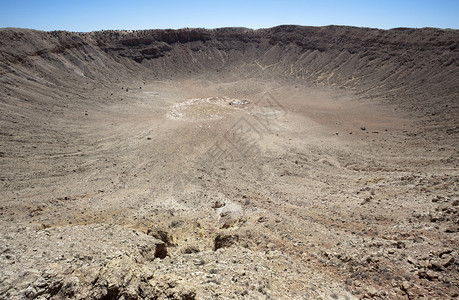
{"points": [[284, 163]]}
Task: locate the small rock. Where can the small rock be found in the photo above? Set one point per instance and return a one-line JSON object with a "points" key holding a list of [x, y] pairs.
{"points": [[452, 229], [435, 265], [405, 286], [218, 204], [40, 283], [225, 241], [427, 274], [372, 292], [411, 260], [30, 292], [446, 260], [239, 102]]}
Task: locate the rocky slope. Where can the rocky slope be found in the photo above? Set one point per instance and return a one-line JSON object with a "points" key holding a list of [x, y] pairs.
{"points": [[416, 68], [287, 163]]}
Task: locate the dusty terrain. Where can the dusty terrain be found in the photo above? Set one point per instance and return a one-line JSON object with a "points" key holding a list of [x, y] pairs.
{"points": [[284, 163]]}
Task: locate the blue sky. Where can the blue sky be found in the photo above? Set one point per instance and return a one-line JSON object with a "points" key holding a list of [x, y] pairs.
{"points": [[89, 15]]}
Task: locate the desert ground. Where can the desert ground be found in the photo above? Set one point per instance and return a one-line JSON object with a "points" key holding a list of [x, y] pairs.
{"points": [[283, 163]]}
